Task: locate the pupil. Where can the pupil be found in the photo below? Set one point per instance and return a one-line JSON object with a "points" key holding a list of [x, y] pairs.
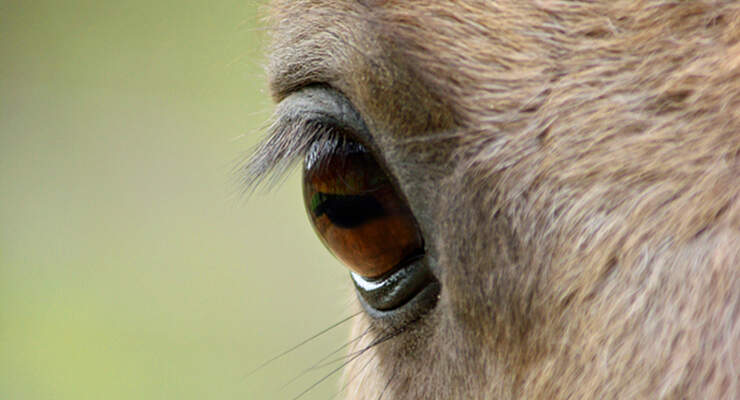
{"points": [[347, 210]]}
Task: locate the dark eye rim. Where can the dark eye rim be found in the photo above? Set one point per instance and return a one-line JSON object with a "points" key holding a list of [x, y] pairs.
{"points": [[396, 288], [411, 289]]}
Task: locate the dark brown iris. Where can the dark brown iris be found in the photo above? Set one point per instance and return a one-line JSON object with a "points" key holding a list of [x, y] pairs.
{"points": [[355, 209]]}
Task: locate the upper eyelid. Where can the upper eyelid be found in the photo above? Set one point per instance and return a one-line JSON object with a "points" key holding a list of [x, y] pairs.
{"points": [[299, 119], [322, 104]]}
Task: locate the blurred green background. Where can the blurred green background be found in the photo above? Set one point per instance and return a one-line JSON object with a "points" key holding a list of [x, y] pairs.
{"points": [[130, 265]]}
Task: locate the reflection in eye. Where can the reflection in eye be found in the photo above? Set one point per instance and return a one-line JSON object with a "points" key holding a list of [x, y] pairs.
{"points": [[355, 209]]}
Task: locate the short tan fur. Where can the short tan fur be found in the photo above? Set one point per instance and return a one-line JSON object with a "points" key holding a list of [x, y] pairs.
{"points": [[575, 167]]}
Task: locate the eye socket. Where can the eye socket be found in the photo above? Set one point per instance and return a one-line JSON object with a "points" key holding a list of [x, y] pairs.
{"points": [[355, 209]]}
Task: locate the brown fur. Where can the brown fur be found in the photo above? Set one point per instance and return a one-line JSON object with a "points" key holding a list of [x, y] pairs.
{"points": [[575, 168]]}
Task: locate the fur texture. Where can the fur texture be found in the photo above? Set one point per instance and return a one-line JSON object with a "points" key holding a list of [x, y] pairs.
{"points": [[575, 169]]}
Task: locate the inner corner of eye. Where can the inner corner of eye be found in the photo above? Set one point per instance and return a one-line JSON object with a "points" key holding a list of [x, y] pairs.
{"points": [[356, 211]]}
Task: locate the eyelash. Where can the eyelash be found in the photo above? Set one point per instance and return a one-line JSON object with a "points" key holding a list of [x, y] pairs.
{"points": [[287, 143]]}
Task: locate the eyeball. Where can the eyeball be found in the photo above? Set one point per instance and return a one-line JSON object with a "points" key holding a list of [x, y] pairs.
{"points": [[355, 209]]}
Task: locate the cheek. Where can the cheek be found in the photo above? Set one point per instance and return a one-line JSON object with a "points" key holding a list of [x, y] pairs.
{"points": [[480, 266]]}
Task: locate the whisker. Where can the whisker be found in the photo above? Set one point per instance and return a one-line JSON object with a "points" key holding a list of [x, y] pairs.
{"points": [[312, 337], [334, 371], [359, 352], [320, 363], [339, 368], [387, 384], [355, 376], [338, 359], [342, 346]]}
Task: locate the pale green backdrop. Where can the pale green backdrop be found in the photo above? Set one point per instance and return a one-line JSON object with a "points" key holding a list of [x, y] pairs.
{"points": [[130, 266]]}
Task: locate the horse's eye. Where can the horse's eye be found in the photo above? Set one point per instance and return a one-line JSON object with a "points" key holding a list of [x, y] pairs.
{"points": [[356, 210]]}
